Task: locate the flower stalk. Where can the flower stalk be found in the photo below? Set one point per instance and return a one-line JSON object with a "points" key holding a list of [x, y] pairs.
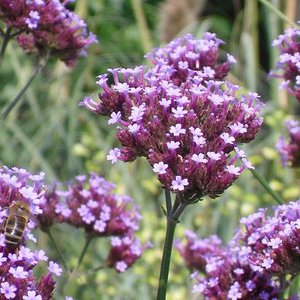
{"points": [[6, 38], [267, 187], [18, 97], [172, 220], [52, 239]]}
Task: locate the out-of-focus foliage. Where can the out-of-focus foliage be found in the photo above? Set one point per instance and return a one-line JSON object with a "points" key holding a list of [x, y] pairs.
{"points": [[48, 131]]}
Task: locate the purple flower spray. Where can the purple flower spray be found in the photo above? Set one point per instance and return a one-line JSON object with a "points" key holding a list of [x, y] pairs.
{"points": [[185, 119], [91, 204], [260, 262], [289, 60], [290, 152]]}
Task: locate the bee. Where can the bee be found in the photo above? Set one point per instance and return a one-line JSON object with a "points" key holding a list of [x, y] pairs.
{"points": [[15, 224]]}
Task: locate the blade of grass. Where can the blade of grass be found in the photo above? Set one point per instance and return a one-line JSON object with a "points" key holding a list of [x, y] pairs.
{"points": [[32, 149], [279, 13]]}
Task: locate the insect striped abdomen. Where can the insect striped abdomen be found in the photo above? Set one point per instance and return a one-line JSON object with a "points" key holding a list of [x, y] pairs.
{"points": [[14, 229]]}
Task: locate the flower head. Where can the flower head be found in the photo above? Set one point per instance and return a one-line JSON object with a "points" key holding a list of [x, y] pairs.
{"points": [[264, 250], [47, 26], [289, 60], [185, 120], [90, 203], [290, 152], [124, 252]]}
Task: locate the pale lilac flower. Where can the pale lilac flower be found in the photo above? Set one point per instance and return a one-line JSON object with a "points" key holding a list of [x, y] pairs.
{"points": [[55, 268], [113, 155], [179, 183], [160, 168]]}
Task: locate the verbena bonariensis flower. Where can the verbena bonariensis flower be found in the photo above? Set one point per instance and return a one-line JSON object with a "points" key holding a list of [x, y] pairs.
{"points": [[196, 252], [273, 242], [124, 252], [47, 26], [289, 60], [290, 152], [264, 253], [90, 203], [17, 280], [222, 273], [181, 117]]}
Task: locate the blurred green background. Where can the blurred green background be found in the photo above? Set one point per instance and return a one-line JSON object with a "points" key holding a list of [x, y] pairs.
{"points": [[48, 130]]}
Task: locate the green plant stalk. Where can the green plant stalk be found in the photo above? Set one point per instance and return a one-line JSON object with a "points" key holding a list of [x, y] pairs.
{"points": [[4, 44], [83, 252], [279, 13], [172, 220], [57, 249], [267, 187], [168, 201], [14, 102]]}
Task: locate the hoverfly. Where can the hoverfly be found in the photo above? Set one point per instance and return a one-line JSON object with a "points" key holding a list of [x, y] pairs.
{"points": [[15, 224]]}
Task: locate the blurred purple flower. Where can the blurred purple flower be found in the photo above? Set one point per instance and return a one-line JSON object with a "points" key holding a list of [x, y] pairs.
{"points": [[124, 252], [181, 116], [258, 263], [90, 203], [47, 26], [290, 152], [289, 61]]}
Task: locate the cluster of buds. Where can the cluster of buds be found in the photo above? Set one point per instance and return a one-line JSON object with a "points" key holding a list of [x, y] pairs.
{"points": [[255, 264], [290, 152], [20, 196], [182, 117], [90, 203], [289, 60], [47, 26]]}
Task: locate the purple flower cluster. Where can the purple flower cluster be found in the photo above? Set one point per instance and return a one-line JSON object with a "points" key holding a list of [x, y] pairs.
{"points": [[289, 60], [124, 252], [196, 252], [47, 26], [255, 264], [16, 265], [290, 152], [90, 204], [182, 117]]}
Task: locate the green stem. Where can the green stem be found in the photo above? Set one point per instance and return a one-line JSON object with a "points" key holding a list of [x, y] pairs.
{"points": [[4, 44], [168, 201], [267, 187], [83, 252], [14, 102], [57, 249], [172, 221], [279, 13]]}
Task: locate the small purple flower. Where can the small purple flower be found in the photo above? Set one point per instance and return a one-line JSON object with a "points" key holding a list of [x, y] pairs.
{"points": [[289, 60], [31, 295], [181, 116], [54, 268], [290, 151], [8, 290]]}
